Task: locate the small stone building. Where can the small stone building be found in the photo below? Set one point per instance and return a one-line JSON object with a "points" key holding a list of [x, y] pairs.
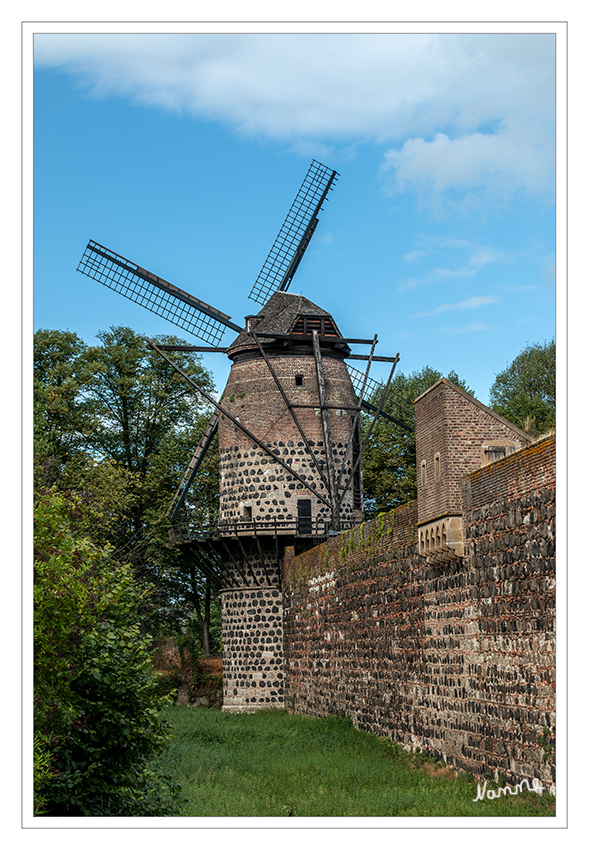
{"points": [[454, 434]]}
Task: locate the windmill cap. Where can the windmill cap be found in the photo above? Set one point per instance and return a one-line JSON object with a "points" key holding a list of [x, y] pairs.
{"points": [[279, 315]]}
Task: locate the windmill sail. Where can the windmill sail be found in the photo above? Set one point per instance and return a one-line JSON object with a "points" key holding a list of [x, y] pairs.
{"points": [[373, 390], [295, 234], [154, 293]]}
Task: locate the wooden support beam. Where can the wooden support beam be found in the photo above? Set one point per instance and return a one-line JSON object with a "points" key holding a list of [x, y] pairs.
{"points": [[357, 416], [245, 557], [261, 554], [375, 416], [290, 408], [326, 432], [238, 424], [372, 359], [233, 561]]}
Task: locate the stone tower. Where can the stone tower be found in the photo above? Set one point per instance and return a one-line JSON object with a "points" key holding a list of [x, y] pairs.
{"points": [[454, 435], [291, 442]]}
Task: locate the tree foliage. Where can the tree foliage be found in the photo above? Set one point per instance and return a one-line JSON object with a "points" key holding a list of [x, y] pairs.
{"points": [[121, 437], [525, 391], [64, 420], [97, 707], [389, 458]]}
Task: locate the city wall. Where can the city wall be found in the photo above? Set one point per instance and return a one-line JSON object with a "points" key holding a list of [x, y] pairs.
{"points": [[456, 658]]}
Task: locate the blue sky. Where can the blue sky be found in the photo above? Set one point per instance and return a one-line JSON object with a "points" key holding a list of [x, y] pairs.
{"points": [[184, 153]]}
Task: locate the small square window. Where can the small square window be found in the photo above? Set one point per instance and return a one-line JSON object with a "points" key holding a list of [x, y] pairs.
{"points": [[298, 380], [247, 511]]}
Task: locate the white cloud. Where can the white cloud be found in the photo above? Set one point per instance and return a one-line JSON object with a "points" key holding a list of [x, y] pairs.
{"points": [[496, 164], [282, 86], [435, 276], [476, 327], [469, 114], [477, 257], [411, 256], [467, 304]]}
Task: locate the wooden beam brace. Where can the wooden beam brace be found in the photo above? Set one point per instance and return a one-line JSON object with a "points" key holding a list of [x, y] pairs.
{"points": [[241, 427], [261, 554], [245, 557], [357, 416], [234, 562], [375, 416], [290, 408], [326, 432]]}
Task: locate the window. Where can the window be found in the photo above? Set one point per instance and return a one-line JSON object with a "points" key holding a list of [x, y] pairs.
{"points": [[298, 380], [305, 523], [423, 474], [247, 511], [437, 473]]}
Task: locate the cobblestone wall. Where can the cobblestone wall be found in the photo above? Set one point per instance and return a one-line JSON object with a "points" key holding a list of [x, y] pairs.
{"points": [[457, 659], [253, 664], [250, 479]]}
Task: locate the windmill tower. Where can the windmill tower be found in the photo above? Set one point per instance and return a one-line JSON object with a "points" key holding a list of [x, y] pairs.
{"points": [[290, 444]]}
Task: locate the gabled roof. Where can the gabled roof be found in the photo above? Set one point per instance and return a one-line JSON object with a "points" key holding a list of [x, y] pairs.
{"points": [[523, 434]]}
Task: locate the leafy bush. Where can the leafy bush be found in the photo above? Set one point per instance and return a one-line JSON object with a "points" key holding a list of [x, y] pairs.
{"points": [[96, 698]]}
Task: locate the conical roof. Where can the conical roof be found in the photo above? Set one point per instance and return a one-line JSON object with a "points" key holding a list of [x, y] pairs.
{"points": [[279, 315]]}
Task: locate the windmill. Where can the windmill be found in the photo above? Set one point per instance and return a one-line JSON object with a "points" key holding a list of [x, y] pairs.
{"points": [[288, 423]]}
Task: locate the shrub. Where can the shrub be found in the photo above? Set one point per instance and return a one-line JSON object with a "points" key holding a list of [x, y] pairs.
{"points": [[96, 698]]}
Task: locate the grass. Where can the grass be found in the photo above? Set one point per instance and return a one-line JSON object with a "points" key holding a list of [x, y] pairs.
{"points": [[274, 764]]}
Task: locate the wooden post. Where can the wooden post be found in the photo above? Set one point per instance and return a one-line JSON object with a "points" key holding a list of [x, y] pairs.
{"points": [[326, 434]]}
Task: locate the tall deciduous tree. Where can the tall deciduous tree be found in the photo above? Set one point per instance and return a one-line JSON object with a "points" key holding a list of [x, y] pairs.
{"points": [[389, 458], [127, 429], [64, 419], [525, 391]]}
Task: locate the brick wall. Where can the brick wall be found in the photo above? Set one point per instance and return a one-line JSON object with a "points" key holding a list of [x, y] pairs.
{"points": [[452, 424], [457, 658], [248, 475]]}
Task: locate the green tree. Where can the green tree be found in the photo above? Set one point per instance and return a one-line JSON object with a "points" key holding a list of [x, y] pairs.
{"points": [[64, 419], [127, 425], [389, 460], [525, 391], [97, 726]]}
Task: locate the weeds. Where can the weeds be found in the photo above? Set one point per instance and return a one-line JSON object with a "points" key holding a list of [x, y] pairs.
{"points": [[274, 764]]}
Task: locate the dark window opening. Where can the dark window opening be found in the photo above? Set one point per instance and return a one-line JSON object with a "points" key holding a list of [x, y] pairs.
{"points": [[298, 380], [324, 326], [247, 511], [305, 524]]}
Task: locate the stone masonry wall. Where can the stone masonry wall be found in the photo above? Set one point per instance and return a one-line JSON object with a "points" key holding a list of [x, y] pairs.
{"points": [[249, 477], [253, 676], [457, 659]]}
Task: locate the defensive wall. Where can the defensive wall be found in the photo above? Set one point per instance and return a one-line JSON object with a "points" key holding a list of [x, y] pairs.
{"points": [[449, 648]]}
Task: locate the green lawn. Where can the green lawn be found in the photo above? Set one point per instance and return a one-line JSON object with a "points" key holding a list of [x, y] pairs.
{"points": [[274, 764]]}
